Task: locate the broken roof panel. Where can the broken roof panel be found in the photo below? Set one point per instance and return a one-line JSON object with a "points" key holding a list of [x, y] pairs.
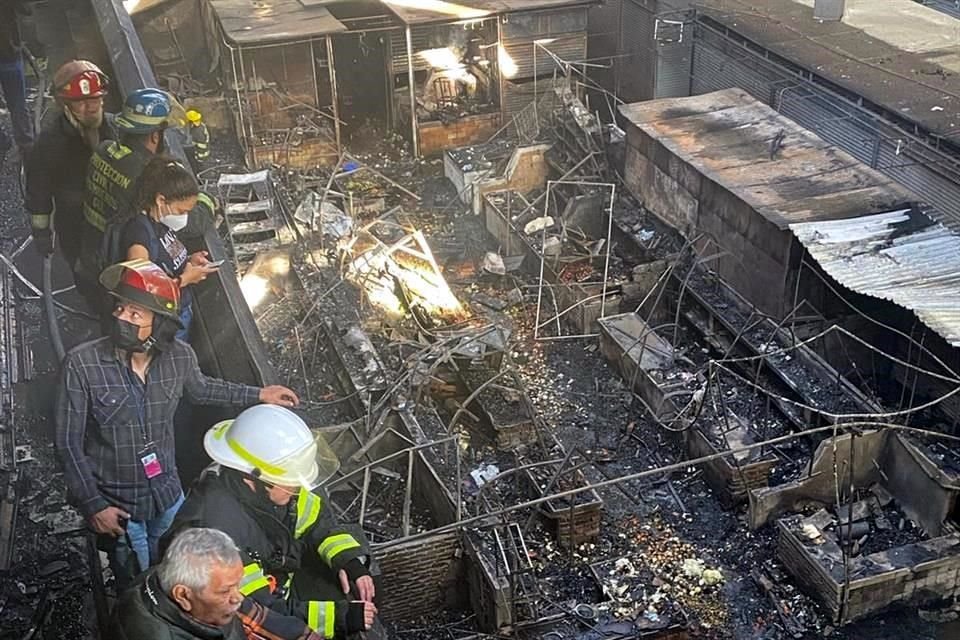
{"points": [[900, 256], [727, 136], [250, 22]]}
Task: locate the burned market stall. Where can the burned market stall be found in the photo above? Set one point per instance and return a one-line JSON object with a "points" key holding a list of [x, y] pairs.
{"points": [[301, 77], [469, 70], [804, 232], [884, 532], [278, 73], [455, 73]]}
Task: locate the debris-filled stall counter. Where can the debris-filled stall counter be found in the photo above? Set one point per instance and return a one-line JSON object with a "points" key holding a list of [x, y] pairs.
{"points": [[455, 70]]}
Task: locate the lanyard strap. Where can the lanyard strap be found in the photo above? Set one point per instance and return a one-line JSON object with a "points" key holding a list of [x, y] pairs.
{"points": [[139, 392]]}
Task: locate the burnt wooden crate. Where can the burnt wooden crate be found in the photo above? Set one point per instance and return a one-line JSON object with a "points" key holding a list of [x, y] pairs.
{"points": [[505, 405], [574, 525], [731, 483]]}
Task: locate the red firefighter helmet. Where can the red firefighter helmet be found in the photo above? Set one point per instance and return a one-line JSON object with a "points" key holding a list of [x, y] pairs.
{"points": [[79, 80], [143, 282]]}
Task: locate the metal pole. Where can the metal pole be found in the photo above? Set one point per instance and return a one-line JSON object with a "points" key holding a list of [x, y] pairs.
{"points": [[236, 86], [363, 498], [606, 263], [243, 75], [256, 83], [335, 95], [313, 70], [456, 447], [407, 499], [543, 258], [536, 103], [413, 95], [503, 104]]}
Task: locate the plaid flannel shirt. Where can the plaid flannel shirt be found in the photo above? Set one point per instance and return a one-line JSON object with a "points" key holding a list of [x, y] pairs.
{"points": [[107, 419]]}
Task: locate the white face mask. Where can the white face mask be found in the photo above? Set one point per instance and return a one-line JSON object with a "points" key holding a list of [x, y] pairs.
{"points": [[174, 221]]}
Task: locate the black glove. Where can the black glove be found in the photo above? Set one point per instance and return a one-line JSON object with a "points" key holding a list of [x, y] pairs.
{"points": [[355, 617], [356, 569], [43, 241]]}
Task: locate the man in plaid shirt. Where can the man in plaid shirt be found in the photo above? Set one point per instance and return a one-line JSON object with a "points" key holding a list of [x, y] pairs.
{"points": [[114, 415]]}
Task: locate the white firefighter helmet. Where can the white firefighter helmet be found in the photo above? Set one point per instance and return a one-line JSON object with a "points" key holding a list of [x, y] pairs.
{"points": [[273, 444]]}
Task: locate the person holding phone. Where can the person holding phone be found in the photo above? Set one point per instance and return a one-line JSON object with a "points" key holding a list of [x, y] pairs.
{"points": [[166, 194]]}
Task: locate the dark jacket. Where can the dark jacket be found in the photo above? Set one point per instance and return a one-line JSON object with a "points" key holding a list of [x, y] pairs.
{"points": [[275, 542], [111, 181], [56, 170], [145, 612], [111, 186]]}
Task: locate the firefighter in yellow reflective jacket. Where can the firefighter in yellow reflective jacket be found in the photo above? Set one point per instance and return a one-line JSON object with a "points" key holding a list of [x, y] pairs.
{"points": [[263, 490], [198, 144]]}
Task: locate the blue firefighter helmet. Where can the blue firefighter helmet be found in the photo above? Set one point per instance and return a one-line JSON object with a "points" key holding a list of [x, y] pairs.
{"points": [[147, 110]]}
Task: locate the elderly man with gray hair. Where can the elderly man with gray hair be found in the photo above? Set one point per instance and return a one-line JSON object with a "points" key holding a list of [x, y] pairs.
{"points": [[194, 593]]}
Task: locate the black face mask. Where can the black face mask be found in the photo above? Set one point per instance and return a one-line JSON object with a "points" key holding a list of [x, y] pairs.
{"points": [[126, 337]]}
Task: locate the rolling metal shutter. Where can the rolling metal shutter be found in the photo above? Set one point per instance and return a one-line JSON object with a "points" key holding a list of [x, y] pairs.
{"points": [[638, 70], [932, 174]]}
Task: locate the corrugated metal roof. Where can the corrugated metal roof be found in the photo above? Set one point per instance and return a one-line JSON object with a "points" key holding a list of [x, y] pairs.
{"points": [[727, 136], [900, 256]]}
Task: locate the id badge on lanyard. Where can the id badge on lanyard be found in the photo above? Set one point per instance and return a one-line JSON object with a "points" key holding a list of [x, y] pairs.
{"points": [[150, 461], [148, 454]]}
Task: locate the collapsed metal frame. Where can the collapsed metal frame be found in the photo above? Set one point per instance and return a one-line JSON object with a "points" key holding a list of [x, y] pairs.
{"points": [[606, 263], [410, 452]]}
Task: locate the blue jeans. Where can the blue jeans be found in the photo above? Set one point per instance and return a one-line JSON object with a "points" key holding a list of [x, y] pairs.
{"points": [[139, 548], [186, 317]]}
